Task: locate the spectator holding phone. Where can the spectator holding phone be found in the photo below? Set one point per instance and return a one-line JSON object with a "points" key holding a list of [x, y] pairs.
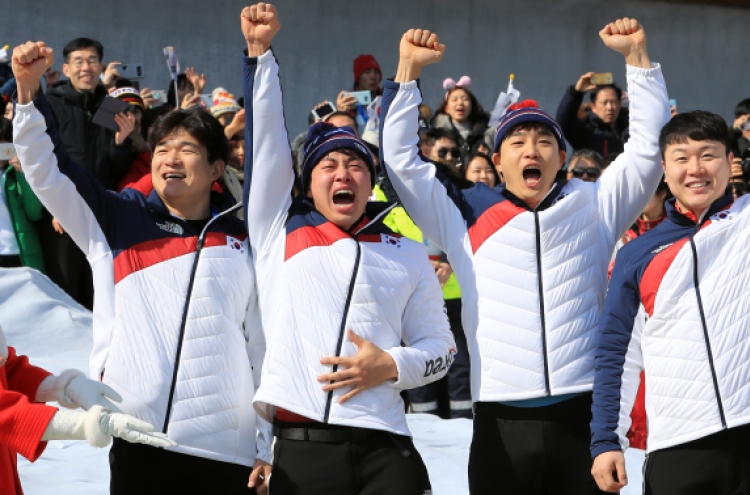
{"points": [[604, 127], [740, 132], [19, 211]]}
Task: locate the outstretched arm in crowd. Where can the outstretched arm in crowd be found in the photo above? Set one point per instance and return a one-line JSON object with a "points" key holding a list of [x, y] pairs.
{"points": [[269, 170], [73, 196], [629, 183], [431, 199], [574, 129]]}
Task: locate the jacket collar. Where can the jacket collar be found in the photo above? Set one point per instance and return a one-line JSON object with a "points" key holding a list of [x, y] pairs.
{"points": [[546, 202], [220, 202], [84, 100], [688, 220]]}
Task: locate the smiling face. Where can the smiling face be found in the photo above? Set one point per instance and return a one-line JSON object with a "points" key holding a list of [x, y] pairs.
{"points": [[697, 173], [479, 170], [340, 186], [529, 159], [458, 105], [83, 68], [181, 171]]}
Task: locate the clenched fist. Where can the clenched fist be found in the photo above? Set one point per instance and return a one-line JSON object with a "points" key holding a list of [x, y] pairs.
{"points": [[260, 23], [627, 37], [30, 61], [419, 47]]}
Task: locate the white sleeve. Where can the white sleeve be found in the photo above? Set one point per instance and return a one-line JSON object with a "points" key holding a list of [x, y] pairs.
{"points": [[430, 347], [269, 168], [630, 181], [430, 199]]}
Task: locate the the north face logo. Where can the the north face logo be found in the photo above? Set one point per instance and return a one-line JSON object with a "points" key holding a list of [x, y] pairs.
{"points": [[393, 241], [173, 228], [661, 248]]}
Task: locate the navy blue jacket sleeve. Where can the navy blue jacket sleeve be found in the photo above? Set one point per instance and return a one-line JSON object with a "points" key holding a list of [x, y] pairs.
{"points": [[574, 130]]}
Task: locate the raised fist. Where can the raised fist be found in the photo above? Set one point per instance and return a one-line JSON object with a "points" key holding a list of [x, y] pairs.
{"points": [[260, 22], [30, 61], [624, 35], [421, 47]]}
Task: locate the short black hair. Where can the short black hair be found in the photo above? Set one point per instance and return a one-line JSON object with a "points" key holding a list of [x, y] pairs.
{"points": [[200, 124], [742, 108], [439, 133], [476, 154], [6, 129], [182, 83], [80, 44], [697, 125], [595, 92], [587, 154], [150, 116]]}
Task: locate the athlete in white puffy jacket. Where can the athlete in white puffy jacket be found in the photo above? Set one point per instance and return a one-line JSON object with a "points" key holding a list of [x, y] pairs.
{"points": [[678, 308], [176, 328], [531, 257], [339, 292]]}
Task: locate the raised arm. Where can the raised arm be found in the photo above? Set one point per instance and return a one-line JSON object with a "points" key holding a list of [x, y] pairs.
{"points": [[618, 366], [629, 183], [269, 169], [432, 201]]}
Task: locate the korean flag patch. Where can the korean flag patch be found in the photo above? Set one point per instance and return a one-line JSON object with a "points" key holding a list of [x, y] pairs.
{"points": [[236, 244], [391, 240]]}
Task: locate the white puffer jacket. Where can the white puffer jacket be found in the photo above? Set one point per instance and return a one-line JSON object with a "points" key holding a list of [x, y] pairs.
{"points": [[315, 281], [694, 347], [176, 327], [532, 282]]}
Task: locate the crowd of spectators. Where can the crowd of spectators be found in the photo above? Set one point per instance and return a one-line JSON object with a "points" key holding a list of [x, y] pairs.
{"points": [[456, 136]]}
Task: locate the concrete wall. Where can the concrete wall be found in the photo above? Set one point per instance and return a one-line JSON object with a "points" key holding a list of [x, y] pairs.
{"points": [[546, 43]]}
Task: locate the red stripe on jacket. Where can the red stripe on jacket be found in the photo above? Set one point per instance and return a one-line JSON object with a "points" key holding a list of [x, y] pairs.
{"points": [[491, 221], [150, 253], [655, 272]]}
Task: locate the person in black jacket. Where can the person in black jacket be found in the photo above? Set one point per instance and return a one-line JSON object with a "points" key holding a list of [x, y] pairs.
{"points": [[604, 126], [105, 154]]}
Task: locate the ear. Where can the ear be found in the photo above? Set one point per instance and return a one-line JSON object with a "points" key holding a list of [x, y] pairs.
{"points": [[730, 158], [218, 169], [664, 168], [66, 70], [496, 161], [309, 193], [563, 155]]}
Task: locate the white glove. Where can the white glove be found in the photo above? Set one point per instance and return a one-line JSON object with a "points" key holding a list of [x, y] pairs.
{"points": [[72, 389], [98, 426]]}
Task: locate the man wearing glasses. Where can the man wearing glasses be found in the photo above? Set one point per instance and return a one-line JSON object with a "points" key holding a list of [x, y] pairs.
{"points": [[586, 165], [105, 154]]}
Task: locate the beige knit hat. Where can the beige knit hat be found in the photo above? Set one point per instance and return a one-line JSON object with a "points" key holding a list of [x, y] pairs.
{"points": [[224, 102]]}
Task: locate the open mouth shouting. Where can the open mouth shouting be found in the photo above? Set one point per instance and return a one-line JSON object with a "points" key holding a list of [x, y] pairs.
{"points": [[532, 175], [343, 200]]}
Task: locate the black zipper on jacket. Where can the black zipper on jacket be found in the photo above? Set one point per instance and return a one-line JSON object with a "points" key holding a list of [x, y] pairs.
{"points": [[342, 328], [541, 302], [705, 335], [181, 336]]}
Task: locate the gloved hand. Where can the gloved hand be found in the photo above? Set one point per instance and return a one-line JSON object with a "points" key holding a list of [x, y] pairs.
{"points": [[98, 425], [73, 390]]}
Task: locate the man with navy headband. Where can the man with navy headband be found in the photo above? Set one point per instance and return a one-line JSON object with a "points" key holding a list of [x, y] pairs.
{"points": [[531, 258]]}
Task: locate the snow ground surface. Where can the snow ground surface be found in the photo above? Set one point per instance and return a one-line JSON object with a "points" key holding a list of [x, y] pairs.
{"points": [[39, 320]]}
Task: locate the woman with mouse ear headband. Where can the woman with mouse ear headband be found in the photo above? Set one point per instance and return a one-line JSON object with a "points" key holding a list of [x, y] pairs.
{"points": [[461, 113], [26, 425]]}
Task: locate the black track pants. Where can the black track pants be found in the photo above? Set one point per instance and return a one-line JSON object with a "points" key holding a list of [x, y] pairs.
{"points": [[718, 464], [379, 465], [138, 469], [529, 451]]}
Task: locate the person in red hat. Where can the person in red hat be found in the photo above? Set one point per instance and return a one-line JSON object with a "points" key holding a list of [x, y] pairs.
{"points": [[367, 77]]}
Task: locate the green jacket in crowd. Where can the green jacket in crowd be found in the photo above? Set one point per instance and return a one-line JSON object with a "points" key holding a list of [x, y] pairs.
{"points": [[25, 209], [400, 222]]}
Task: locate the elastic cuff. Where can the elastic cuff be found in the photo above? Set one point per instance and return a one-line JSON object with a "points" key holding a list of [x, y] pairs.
{"points": [[396, 86], [268, 55], [602, 448], [631, 70], [397, 383]]}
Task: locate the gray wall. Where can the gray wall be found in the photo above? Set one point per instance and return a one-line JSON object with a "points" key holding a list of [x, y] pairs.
{"points": [[705, 50]]}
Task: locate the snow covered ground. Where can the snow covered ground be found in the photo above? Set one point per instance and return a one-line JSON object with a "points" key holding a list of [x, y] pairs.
{"points": [[42, 322]]}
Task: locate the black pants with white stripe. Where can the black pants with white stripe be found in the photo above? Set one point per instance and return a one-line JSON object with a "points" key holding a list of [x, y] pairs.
{"points": [[532, 451], [718, 464], [380, 464]]}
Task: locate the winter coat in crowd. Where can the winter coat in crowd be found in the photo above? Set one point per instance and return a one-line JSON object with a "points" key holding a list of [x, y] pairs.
{"points": [[477, 131], [176, 330], [590, 133], [739, 145], [25, 210], [89, 144]]}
